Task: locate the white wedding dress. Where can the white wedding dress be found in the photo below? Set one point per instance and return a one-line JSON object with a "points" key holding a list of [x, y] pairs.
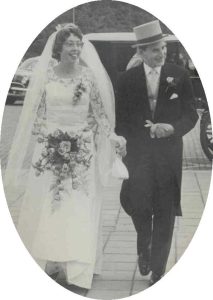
{"points": [[66, 234]]}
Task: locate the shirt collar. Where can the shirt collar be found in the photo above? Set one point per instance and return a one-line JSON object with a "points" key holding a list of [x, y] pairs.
{"points": [[148, 69]]}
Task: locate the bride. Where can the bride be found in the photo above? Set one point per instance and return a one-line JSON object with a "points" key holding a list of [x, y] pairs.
{"points": [[69, 108]]}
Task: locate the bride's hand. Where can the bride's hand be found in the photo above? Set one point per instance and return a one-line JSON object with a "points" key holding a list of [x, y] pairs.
{"points": [[119, 143]]}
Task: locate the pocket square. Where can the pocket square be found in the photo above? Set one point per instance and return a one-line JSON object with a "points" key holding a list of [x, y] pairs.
{"points": [[173, 96]]}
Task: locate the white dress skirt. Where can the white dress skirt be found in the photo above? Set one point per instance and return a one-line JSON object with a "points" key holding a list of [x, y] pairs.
{"points": [[65, 234]]}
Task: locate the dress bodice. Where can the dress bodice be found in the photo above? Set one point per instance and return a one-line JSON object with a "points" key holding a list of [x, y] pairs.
{"points": [[68, 99], [74, 102]]}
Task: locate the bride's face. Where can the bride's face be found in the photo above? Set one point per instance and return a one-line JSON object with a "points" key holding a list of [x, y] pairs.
{"points": [[71, 49]]}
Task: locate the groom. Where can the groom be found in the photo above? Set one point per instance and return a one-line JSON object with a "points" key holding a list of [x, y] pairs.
{"points": [[155, 108]]}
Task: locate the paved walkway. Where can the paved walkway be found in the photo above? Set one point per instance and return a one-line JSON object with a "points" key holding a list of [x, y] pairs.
{"points": [[120, 277]]}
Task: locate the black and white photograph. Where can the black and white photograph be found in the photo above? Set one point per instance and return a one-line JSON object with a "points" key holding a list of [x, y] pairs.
{"points": [[106, 151]]}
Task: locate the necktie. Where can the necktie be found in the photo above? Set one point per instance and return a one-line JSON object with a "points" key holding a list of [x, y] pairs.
{"points": [[153, 79]]}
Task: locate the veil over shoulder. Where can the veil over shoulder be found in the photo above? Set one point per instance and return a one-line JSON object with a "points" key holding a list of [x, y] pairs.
{"points": [[105, 153], [15, 175]]}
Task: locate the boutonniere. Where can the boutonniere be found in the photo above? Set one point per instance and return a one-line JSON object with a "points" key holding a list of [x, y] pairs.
{"points": [[171, 83], [79, 90]]}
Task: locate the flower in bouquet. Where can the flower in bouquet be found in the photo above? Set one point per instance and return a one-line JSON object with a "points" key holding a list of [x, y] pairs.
{"points": [[72, 134], [44, 162], [44, 153], [76, 180], [57, 133], [51, 150], [65, 168], [40, 139], [66, 155], [57, 197], [38, 163], [48, 166], [64, 147], [60, 187]]}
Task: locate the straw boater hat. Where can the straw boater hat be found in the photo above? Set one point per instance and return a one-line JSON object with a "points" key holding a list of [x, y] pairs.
{"points": [[148, 33]]}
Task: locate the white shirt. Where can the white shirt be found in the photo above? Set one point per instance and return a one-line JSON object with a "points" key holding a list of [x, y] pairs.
{"points": [[152, 78]]}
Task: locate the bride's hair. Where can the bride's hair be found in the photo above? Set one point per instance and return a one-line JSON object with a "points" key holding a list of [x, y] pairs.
{"points": [[62, 36]]}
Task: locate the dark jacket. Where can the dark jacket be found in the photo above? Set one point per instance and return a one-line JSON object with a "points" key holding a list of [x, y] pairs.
{"points": [[132, 111]]}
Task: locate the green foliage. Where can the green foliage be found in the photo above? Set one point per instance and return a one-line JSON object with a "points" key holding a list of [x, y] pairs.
{"points": [[96, 16]]}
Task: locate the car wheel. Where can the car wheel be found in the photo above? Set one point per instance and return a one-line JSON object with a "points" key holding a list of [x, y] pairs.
{"points": [[206, 137]]}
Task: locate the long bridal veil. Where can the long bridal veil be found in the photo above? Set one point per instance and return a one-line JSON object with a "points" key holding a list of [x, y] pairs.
{"points": [[15, 174], [105, 153]]}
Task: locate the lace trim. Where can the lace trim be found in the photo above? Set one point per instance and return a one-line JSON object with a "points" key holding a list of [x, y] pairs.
{"points": [[40, 121], [85, 74]]}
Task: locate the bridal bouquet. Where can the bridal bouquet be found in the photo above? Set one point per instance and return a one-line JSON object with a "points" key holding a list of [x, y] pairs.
{"points": [[66, 154]]}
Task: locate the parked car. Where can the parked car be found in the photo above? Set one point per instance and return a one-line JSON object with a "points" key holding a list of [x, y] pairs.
{"points": [[206, 137], [21, 80]]}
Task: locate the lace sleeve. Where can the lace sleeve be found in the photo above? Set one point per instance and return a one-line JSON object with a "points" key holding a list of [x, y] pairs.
{"points": [[40, 119], [98, 110]]}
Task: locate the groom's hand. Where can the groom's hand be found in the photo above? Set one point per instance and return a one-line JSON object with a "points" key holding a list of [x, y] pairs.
{"points": [[163, 130], [159, 130]]}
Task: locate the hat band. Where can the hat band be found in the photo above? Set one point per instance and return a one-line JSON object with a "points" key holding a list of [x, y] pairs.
{"points": [[150, 39]]}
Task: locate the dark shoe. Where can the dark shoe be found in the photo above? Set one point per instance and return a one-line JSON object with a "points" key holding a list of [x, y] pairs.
{"points": [[154, 278], [144, 264]]}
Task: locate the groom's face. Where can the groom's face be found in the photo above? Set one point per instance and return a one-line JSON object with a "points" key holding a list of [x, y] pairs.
{"points": [[154, 55]]}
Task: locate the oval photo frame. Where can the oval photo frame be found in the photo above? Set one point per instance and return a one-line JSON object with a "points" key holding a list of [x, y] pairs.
{"points": [[187, 192]]}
